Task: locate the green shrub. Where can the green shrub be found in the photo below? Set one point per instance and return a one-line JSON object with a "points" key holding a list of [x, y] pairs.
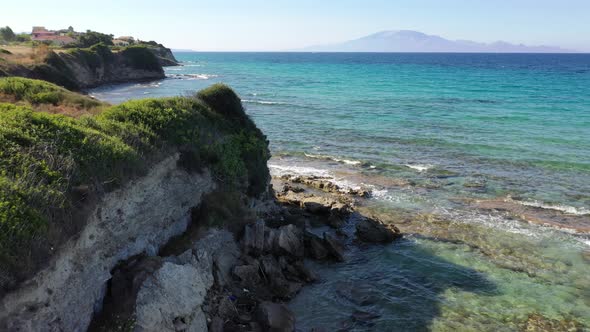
{"points": [[140, 57], [41, 92], [43, 157], [3, 51], [222, 99]]}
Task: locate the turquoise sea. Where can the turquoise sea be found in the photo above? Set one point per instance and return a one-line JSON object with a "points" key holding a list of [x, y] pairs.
{"points": [[483, 160]]}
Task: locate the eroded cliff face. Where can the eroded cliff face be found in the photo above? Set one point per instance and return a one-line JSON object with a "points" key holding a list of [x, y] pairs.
{"points": [[139, 218], [78, 69]]}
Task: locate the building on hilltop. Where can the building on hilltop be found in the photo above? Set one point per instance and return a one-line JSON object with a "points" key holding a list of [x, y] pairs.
{"points": [[40, 34], [128, 39], [120, 42]]}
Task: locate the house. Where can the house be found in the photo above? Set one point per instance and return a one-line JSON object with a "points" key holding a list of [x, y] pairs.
{"points": [[128, 39], [41, 34], [120, 42]]}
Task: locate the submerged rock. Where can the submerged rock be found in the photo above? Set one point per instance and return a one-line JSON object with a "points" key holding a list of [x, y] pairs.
{"points": [[375, 231], [315, 246], [275, 317], [539, 323]]}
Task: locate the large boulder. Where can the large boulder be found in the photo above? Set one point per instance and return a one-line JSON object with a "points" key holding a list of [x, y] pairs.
{"points": [[334, 246], [171, 300], [317, 204], [375, 231], [248, 275], [275, 317], [216, 254], [278, 283], [254, 238], [290, 241], [315, 247]]}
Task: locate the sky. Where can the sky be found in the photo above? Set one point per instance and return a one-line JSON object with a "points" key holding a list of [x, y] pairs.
{"points": [[276, 25]]}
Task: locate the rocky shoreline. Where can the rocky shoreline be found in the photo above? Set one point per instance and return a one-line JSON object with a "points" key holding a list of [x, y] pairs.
{"points": [[242, 280]]}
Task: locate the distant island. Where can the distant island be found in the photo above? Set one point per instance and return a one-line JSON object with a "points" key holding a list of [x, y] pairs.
{"points": [[414, 41]]}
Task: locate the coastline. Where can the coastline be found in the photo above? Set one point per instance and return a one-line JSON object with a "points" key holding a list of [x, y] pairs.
{"points": [[473, 255]]}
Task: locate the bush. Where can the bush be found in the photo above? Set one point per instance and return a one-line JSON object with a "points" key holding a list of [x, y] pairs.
{"points": [[140, 57], [90, 38], [43, 157], [41, 92]]}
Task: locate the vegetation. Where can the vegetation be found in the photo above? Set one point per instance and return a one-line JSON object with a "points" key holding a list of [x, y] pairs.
{"points": [[91, 38], [6, 34], [140, 57], [45, 159], [39, 92]]}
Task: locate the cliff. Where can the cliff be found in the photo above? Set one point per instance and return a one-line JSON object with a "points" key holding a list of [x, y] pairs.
{"points": [[81, 193], [83, 68], [155, 215]]}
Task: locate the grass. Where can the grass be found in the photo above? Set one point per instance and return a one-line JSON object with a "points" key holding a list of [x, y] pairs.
{"points": [[47, 97], [45, 158]]}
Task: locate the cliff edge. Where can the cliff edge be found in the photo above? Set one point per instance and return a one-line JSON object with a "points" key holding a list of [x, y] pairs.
{"points": [[82, 192], [82, 68]]}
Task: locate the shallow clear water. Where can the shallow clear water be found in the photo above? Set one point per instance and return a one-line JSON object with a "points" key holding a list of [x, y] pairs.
{"points": [[434, 135]]}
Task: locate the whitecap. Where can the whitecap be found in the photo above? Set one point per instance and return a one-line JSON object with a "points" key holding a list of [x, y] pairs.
{"points": [[191, 77], [557, 207], [344, 161], [263, 102], [419, 167], [280, 170]]}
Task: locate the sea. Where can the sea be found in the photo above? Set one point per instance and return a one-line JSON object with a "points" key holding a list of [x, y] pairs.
{"points": [[482, 160]]}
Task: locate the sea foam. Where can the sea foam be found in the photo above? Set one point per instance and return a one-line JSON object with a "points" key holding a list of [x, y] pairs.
{"points": [[578, 211]]}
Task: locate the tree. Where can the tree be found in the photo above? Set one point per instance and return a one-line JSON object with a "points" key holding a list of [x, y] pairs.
{"points": [[7, 34], [70, 29], [92, 38], [23, 37]]}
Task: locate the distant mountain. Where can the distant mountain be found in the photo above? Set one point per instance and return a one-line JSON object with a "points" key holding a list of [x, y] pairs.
{"points": [[414, 41]]}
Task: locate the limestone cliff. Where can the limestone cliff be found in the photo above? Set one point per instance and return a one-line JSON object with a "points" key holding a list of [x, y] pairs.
{"points": [[83, 68], [109, 188]]}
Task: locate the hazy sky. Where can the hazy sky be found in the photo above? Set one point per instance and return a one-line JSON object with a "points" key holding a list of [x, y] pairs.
{"points": [[289, 24]]}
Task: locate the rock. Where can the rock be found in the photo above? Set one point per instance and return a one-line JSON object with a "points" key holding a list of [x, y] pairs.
{"points": [[140, 217], [315, 246], [338, 214], [375, 231], [275, 317], [334, 247], [288, 187], [303, 272], [227, 310], [317, 205], [290, 241], [364, 316], [216, 325], [279, 285], [271, 268], [539, 323], [253, 240], [172, 297], [248, 275], [216, 252]]}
